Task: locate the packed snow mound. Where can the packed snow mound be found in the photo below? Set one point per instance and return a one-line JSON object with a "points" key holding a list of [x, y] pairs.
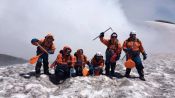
{"points": [[9, 60], [159, 74]]}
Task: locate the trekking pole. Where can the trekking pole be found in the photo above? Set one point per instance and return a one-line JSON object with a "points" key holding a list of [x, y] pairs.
{"points": [[123, 57], [104, 32]]}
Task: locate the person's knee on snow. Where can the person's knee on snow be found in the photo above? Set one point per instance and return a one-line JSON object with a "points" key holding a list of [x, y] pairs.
{"points": [[65, 58], [81, 61], [97, 64]]}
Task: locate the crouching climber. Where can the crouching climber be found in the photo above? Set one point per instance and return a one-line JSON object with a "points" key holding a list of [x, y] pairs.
{"points": [[97, 64], [64, 64], [81, 61]]}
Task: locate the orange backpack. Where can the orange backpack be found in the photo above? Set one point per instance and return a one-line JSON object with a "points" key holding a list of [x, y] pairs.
{"points": [[129, 63]]}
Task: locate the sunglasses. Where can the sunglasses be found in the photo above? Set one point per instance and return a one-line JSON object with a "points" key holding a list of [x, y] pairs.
{"points": [[114, 37]]}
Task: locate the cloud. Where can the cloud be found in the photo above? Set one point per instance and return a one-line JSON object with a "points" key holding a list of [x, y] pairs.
{"points": [[141, 10], [75, 23], [72, 22]]}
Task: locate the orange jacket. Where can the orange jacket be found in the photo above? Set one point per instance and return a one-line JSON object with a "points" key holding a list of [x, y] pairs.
{"points": [[68, 60], [135, 45], [81, 60], [114, 46], [46, 45], [100, 63]]}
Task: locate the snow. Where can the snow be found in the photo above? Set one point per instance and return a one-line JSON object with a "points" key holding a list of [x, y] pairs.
{"points": [[159, 73]]}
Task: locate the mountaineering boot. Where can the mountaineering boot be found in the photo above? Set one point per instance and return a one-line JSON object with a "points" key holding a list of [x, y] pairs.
{"points": [[47, 73], [142, 78], [37, 75], [127, 73], [141, 74], [127, 76]]}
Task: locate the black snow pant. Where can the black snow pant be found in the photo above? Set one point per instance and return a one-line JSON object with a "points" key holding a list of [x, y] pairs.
{"points": [[62, 72], [43, 59], [110, 67], [139, 66], [78, 70]]}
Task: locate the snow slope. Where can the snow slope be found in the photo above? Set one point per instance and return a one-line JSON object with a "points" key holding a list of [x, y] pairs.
{"points": [[159, 73]]}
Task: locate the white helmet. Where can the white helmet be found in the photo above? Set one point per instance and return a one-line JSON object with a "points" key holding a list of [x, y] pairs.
{"points": [[133, 32], [98, 54]]}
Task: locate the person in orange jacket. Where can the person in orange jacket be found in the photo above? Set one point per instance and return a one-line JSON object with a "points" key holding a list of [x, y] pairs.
{"points": [[133, 47], [48, 45], [113, 52], [81, 61], [64, 62], [97, 64]]}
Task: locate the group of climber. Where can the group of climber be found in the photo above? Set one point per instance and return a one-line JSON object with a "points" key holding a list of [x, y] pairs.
{"points": [[67, 65]]}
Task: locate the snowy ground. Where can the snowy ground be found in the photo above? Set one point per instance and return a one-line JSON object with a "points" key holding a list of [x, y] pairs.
{"points": [[159, 73]]}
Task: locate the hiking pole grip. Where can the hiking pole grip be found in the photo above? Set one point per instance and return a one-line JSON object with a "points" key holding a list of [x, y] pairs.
{"points": [[104, 32]]}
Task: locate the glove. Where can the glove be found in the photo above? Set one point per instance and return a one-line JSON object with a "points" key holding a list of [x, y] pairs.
{"points": [[53, 64], [101, 34], [144, 56], [88, 63]]}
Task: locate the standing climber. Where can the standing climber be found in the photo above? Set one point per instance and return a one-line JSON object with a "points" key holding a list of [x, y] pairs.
{"points": [[132, 47], [81, 61], [45, 47], [113, 52]]}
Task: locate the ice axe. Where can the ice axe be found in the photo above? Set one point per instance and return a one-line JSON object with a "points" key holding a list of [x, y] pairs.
{"points": [[123, 57], [34, 59], [104, 32]]}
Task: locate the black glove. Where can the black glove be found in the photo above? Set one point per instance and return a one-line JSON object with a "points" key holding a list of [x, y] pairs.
{"points": [[88, 63], [102, 34], [144, 56]]}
